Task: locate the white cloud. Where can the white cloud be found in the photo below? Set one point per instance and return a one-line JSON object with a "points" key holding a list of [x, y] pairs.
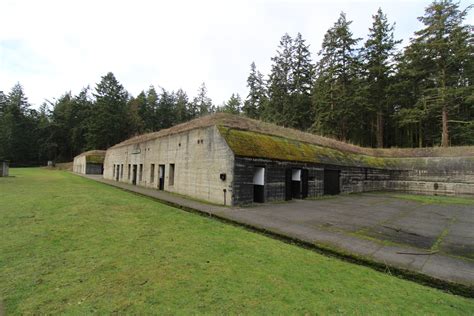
{"points": [[55, 46]]}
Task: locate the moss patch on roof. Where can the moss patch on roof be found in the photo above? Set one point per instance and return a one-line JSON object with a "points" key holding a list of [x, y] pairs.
{"points": [[93, 156], [257, 145], [95, 159]]}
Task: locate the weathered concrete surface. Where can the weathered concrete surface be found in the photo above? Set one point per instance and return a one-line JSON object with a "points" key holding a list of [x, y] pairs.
{"points": [[407, 235], [200, 156], [89, 162]]}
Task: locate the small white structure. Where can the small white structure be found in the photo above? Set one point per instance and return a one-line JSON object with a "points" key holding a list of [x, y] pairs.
{"points": [[4, 168]]}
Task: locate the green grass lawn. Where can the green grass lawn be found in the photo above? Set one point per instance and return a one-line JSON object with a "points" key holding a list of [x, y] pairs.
{"points": [[432, 199], [71, 245]]}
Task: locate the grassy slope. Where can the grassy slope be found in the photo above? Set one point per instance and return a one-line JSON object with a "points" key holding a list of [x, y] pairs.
{"points": [[68, 244]]}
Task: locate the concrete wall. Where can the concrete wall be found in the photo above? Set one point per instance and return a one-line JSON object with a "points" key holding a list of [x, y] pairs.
{"points": [[435, 176], [200, 156], [274, 188], [4, 169], [79, 164], [424, 175]]}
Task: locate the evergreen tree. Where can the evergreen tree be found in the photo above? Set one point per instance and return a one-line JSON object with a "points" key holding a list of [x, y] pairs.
{"points": [[140, 106], [109, 125], [280, 85], [441, 56], [17, 128], [81, 116], [166, 109], [335, 98], [233, 105], [257, 93], [46, 148], [300, 107], [137, 126], [378, 54], [3, 102], [202, 104], [152, 121], [182, 107], [61, 127]]}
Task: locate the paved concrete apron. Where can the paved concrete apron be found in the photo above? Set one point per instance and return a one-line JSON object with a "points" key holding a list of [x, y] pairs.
{"points": [[435, 240]]}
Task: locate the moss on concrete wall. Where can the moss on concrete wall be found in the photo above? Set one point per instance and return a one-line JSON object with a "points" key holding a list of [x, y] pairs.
{"points": [[251, 144]]}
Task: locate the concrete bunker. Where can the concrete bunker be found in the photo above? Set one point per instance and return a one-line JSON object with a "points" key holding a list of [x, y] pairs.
{"points": [[232, 160], [89, 162]]}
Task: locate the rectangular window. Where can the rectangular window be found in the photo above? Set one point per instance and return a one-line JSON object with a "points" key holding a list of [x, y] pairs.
{"points": [[140, 176], [152, 173], [121, 171], [171, 175], [129, 167], [113, 175]]}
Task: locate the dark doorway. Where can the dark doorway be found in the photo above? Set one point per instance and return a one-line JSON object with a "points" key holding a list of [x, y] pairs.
{"points": [[259, 185], [288, 191], [161, 175], [304, 183], [331, 182], [134, 175], [296, 183], [117, 173]]}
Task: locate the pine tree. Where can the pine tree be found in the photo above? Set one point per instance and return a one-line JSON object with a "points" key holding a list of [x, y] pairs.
{"points": [[335, 98], [202, 104], [45, 146], [257, 93], [166, 109], [280, 84], [109, 124], [3, 102], [300, 107], [233, 105], [139, 105], [378, 54], [441, 54], [182, 107], [82, 113], [17, 128], [136, 124], [152, 121], [61, 128]]}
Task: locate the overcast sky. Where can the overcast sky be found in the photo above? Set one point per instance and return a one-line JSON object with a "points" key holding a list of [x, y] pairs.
{"points": [[51, 47]]}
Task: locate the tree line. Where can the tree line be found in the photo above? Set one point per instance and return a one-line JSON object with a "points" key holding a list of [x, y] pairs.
{"points": [[93, 119], [372, 93], [368, 93]]}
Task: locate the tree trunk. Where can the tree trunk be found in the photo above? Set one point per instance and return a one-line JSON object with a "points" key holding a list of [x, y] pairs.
{"points": [[444, 114], [379, 129], [420, 136], [445, 133]]}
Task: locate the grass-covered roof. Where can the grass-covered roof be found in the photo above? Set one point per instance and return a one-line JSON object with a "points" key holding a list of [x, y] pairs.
{"points": [[253, 138], [93, 156]]}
